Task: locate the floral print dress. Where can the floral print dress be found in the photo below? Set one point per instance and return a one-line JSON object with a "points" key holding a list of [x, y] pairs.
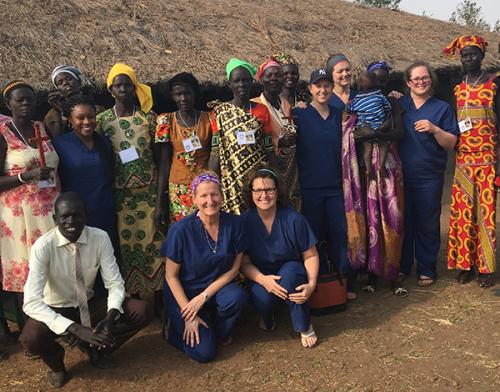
{"points": [[26, 210], [185, 165]]}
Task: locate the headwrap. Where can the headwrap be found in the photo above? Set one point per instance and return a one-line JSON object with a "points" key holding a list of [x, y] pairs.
{"points": [[284, 58], [14, 85], [465, 40], [143, 91], [333, 61], [235, 63], [265, 65], [207, 176], [69, 69], [378, 65]]}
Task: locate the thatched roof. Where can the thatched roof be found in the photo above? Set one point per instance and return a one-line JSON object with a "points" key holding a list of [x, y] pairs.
{"points": [[162, 37]]}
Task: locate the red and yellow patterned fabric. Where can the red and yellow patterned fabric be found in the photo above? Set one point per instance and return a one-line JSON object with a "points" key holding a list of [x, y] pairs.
{"points": [[472, 238], [465, 40]]}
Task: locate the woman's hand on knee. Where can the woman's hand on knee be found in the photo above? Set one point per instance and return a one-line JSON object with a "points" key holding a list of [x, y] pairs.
{"points": [[302, 293], [192, 331], [270, 283]]}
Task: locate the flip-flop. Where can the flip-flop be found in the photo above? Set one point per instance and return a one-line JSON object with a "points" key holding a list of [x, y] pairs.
{"points": [[370, 289], [304, 335], [425, 281], [351, 296], [400, 292]]}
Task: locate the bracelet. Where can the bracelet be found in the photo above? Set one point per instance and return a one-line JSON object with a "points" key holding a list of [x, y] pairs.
{"points": [[20, 178], [205, 295]]}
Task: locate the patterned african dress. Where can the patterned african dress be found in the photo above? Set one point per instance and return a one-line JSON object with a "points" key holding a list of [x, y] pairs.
{"points": [[185, 165], [282, 124], [135, 192], [237, 160], [472, 238], [26, 210]]}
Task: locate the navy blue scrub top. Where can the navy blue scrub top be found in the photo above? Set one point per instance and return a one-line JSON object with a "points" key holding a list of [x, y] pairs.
{"points": [[337, 103], [290, 237], [319, 144], [187, 245], [421, 155], [88, 173]]}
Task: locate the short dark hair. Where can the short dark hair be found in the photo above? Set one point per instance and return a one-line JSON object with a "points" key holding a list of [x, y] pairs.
{"points": [[185, 79], [69, 197], [264, 171], [75, 100]]}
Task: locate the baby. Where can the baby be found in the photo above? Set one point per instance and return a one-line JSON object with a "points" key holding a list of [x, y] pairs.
{"points": [[372, 108]]}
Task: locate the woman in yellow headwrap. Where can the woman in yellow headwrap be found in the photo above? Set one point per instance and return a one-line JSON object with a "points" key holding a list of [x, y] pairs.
{"points": [[131, 129], [472, 238]]}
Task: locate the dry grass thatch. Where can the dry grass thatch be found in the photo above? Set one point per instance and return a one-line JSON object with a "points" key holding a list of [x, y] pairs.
{"points": [[162, 37]]}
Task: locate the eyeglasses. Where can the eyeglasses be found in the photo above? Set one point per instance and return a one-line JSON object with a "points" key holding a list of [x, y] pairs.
{"points": [[423, 79], [267, 191]]}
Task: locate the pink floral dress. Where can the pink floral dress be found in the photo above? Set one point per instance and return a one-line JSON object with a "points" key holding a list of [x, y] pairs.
{"points": [[25, 211]]}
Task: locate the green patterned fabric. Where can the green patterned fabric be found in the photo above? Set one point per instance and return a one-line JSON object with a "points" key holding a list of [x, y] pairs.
{"points": [[135, 190]]}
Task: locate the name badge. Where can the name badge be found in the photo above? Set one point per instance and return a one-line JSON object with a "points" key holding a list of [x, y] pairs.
{"points": [[50, 183], [247, 137], [192, 143], [129, 155], [465, 125]]}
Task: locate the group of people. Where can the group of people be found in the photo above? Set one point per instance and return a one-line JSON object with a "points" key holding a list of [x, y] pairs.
{"points": [[247, 203]]}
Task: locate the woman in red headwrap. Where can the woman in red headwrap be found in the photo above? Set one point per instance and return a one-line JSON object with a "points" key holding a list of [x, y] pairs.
{"points": [[472, 238]]}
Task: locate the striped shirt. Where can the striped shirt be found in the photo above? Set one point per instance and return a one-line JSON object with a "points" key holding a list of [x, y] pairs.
{"points": [[371, 107]]}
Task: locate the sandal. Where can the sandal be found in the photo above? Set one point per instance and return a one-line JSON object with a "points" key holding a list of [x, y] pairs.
{"points": [[400, 292], [370, 289], [486, 281], [304, 336], [351, 295], [263, 326], [465, 276], [425, 281]]}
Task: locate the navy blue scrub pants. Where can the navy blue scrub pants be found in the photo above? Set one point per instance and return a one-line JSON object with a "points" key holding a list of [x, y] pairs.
{"points": [[324, 210], [220, 313], [293, 274], [422, 236]]}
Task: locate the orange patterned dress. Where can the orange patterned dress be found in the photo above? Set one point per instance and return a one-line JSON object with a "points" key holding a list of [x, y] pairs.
{"points": [[472, 238]]}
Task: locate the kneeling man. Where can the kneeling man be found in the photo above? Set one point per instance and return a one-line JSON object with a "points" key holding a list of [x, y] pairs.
{"points": [[59, 297]]}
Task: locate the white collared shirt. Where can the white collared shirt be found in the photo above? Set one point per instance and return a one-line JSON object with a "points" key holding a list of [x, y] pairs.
{"points": [[52, 281]]}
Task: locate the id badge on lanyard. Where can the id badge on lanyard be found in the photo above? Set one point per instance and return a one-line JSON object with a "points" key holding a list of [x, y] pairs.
{"points": [[245, 137], [192, 143]]}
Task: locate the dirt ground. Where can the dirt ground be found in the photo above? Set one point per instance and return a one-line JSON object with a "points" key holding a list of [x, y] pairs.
{"points": [[445, 338]]}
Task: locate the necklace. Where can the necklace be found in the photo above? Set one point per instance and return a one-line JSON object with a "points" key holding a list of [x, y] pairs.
{"points": [[24, 140], [467, 91], [197, 119], [212, 248], [118, 117]]}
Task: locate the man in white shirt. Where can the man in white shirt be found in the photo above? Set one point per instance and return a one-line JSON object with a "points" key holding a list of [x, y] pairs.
{"points": [[59, 297]]}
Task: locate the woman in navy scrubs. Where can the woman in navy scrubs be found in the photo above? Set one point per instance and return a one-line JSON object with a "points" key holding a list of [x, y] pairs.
{"points": [[203, 253], [338, 67], [319, 132], [281, 262], [86, 164], [430, 129]]}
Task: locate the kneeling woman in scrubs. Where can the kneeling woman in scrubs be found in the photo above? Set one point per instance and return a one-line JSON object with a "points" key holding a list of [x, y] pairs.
{"points": [[281, 262], [203, 253]]}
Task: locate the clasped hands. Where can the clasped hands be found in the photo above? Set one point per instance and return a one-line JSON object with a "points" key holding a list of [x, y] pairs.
{"points": [[100, 336], [192, 321], [301, 294]]}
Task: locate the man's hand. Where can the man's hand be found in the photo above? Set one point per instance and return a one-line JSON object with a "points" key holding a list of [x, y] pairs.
{"points": [[98, 339], [106, 324]]}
